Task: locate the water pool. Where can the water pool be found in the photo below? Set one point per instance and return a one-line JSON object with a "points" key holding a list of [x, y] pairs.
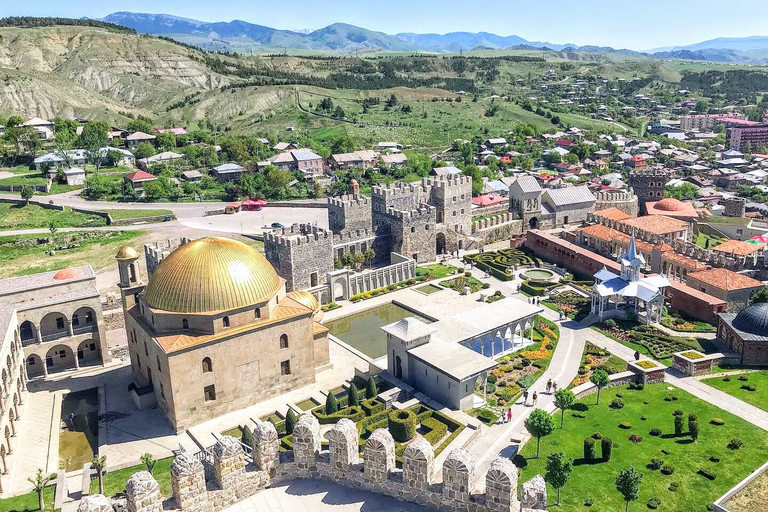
{"points": [[538, 274], [79, 436], [362, 331], [429, 289]]}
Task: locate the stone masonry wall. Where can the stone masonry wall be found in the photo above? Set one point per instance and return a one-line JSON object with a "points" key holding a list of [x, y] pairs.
{"points": [[299, 252], [237, 476]]}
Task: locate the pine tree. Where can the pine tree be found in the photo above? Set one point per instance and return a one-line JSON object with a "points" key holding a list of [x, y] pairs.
{"points": [[370, 391], [290, 421], [331, 405], [353, 397]]}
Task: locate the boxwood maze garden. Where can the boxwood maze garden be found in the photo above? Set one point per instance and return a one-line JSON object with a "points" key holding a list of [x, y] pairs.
{"points": [[652, 341], [683, 474], [500, 263]]}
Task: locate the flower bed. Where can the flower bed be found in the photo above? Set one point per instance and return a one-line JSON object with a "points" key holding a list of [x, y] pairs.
{"points": [[653, 342], [459, 283], [646, 363], [595, 357], [692, 355], [423, 275]]}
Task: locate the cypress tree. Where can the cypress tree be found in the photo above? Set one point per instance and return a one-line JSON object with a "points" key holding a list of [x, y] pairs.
{"points": [[370, 391], [290, 421], [353, 398], [331, 405]]}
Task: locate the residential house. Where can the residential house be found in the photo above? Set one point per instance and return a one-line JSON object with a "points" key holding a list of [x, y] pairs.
{"points": [[356, 160], [136, 138], [495, 142], [160, 158], [394, 160], [228, 171], [302, 160], [441, 172], [192, 176], [388, 146], [636, 162], [137, 180], [282, 147], [43, 127], [74, 176], [734, 288]]}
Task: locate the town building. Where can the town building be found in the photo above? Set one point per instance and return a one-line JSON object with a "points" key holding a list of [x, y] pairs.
{"points": [[43, 127], [137, 180], [212, 330], [549, 208], [355, 160], [302, 160], [734, 288], [706, 121], [747, 333], [228, 171], [673, 208], [136, 138], [748, 137]]}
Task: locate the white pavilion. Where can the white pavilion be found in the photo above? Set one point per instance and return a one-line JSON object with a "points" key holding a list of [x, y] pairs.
{"points": [[616, 295]]}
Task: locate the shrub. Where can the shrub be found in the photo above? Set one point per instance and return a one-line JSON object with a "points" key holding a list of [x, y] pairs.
{"points": [[735, 443], [625, 425], [677, 412], [726, 379], [610, 323], [370, 389], [331, 404], [597, 436], [617, 403], [247, 437], [589, 448], [606, 448], [673, 486], [492, 379], [655, 432], [709, 475], [402, 425], [666, 469], [486, 286], [656, 463], [290, 421], [588, 502], [714, 458], [717, 421], [353, 413], [678, 425], [743, 378], [643, 418], [693, 430], [636, 438], [654, 503], [749, 387], [518, 366], [437, 430], [526, 362], [372, 406]]}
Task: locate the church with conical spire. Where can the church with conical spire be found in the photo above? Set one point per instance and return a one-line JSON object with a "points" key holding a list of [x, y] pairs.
{"points": [[629, 294]]}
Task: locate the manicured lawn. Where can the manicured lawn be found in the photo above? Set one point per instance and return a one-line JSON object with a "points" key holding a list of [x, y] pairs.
{"points": [[596, 480], [136, 214], [27, 502], [38, 179], [733, 386], [459, 283], [438, 270], [13, 216], [114, 482]]}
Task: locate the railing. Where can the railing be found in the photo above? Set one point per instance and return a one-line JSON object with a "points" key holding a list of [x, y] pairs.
{"points": [[28, 342], [54, 336], [84, 329], [206, 457]]}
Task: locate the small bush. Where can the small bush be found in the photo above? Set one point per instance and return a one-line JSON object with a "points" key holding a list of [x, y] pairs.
{"points": [[402, 425], [625, 425], [678, 425], [655, 432], [610, 323], [666, 469], [636, 438], [654, 503], [749, 387], [743, 378], [486, 286], [597, 436], [709, 475], [589, 449], [726, 379], [656, 463], [617, 403], [677, 412], [643, 418], [714, 458], [673, 486], [735, 443], [606, 448], [717, 421], [588, 502]]}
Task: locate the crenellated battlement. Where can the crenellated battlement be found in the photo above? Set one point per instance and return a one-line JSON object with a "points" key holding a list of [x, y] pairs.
{"points": [[451, 487], [347, 201], [615, 195], [353, 235], [155, 253], [297, 235], [421, 212], [398, 189]]}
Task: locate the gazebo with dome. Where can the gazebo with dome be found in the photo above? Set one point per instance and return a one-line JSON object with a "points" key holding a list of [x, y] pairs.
{"points": [[747, 333], [614, 296]]}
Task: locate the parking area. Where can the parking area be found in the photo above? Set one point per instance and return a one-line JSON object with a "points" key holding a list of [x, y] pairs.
{"points": [[249, 223]]}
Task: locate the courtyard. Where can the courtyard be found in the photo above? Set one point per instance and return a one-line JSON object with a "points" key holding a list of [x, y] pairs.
{"points": [[701, 470]]}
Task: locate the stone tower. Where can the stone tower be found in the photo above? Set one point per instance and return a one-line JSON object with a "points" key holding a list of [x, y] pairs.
{"points": [[302, 255], [131, 275], [735, 207], [452, 199], [648, 186], [349, 213]]}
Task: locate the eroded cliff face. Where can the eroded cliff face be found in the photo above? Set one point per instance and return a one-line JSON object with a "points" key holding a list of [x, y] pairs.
{"points": [[119, 71]]}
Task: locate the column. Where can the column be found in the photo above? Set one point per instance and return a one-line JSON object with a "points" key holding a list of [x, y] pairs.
{"points": [[77, 362], [13, 428], [5, 466], [45, 367], [71, 329], [38, 337]]}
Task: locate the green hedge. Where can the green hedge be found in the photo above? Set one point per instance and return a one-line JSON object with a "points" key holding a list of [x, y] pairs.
{"points": [[537, 288], [372, 406], [353, 413], [437, 430], [402, 425], [371, 423]]}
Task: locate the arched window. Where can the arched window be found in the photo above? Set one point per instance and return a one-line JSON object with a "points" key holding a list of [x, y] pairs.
{"points": [[184, 323], [207, 365], [258, 312], [225, 321], [284, 341]]}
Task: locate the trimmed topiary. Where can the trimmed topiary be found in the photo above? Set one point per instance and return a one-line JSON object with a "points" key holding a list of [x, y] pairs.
{"points": [[655, 432], [606, 448], [625, 425], [589, 449], [247, 437], [717, 421], [353, 396], [666, 469], [617, 403], [402, 425], [735, 443], [370, 390], [290, 421], [331, 404], [654, 503], [656, 463]]}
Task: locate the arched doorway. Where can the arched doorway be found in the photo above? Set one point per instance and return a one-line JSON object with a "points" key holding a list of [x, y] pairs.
{"points": [[440, 243], [398, 368], [83, 320], [34, 366], [60, 358], [533, 223], [53, 326], [88, 353], [27, 332]]}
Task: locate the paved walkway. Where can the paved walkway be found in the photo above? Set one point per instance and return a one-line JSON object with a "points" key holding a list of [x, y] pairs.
{"points": [[319, 496]]}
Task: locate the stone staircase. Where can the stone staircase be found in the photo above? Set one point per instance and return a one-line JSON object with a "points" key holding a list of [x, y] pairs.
{"points": [[589, 320]]}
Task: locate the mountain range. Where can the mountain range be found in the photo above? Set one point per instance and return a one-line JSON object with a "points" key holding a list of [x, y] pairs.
{"points": [[241, 36]]}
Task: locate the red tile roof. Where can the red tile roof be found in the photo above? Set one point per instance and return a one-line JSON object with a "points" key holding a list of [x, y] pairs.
{"points": [[607, 234], [658, 224], [725, 279], [140, 176], [613, 213], [488, 200], [738, 248]]}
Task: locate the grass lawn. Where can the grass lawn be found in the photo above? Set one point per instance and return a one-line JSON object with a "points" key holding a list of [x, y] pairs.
{"points": [[458, 284], [18, 169], [596, 480], [438, 270], [136, 214], [29, 254], [114, 481], [27, 502], [38, 179], [732, 386], [708, 241], [13, 216]]}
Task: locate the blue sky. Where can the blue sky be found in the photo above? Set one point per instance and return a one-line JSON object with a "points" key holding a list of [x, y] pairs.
{"points": [[636, 25]]}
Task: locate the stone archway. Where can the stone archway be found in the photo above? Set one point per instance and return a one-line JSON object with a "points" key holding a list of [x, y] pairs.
{"points": [[533, 223], [88, 353], [60, 358], [35, 366], [440, 243]]}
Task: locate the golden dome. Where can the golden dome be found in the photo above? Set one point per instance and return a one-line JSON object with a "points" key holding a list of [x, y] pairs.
{"points": [[127, 252], [305, 299], [211, 274]]}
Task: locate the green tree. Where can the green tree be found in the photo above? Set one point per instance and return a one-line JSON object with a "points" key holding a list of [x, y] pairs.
{"points": [[39, 483], [92, 139], [559, 469], [98, 464], [278, 181], [600, 379], [247, 436], [761, 296], [564, 399], [149, 461], [353, 397], [539, 424], [628, 484], [144, 150], [14, 121], [370, 390], [26, 193], [571, 158], [290, 421], [331, 404], [139, 125], [343, 144], [678, 425], [369, 255], [52, 227], [165, 141]]}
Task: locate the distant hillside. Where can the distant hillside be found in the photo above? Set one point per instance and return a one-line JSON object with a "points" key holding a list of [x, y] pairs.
{"points": [[739, 44], [455, 41]]}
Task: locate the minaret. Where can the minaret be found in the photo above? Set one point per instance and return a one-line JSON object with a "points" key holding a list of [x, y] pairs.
{"points": [[631, 261], [131, 277]]}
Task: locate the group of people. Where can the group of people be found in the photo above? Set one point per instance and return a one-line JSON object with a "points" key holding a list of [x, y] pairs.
{"points": [[533, 300], [506, 414]]}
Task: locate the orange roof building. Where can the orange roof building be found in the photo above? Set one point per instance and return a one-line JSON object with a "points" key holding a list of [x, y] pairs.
{"points": [[672, 207], [613, 214], [667, 227], [739, 248], [736, 289]]}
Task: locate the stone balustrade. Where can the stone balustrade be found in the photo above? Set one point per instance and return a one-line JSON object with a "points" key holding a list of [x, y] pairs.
{"points": [[235, 480]]}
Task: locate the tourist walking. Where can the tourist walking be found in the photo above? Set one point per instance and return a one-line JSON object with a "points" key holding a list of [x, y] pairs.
{"points": [[535, 398], [549, 385], [509, 415], [554, 387], [525, 397], [637, 355]]}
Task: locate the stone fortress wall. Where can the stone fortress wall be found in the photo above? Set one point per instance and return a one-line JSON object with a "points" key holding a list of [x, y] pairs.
{"points": [[624, 200], [234, 475], [649, 186], [156, 252], [298, 253]]}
